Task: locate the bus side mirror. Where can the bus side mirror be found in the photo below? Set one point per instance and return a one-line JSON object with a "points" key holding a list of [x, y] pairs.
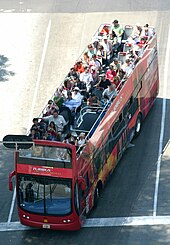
{"points": [[10, 180], [82, 183]]}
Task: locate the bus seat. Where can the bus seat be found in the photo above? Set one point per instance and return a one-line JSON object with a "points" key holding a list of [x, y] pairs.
{"points": [[122, 57], [128, 29], [127, 47], [66, 113], [88, 119]]}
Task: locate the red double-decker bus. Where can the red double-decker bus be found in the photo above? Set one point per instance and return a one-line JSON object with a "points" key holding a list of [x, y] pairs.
{"points": [[57, 183]]}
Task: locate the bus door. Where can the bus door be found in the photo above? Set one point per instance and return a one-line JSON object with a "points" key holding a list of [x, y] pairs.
{"points": [[84, 194]]}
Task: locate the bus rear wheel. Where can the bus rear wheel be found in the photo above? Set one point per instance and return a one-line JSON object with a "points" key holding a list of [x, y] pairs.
{"points": [[96, 196], [138, 125]]}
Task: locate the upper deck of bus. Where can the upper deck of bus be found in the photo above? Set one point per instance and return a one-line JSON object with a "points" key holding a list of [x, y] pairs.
{"points": [[90, 119]]}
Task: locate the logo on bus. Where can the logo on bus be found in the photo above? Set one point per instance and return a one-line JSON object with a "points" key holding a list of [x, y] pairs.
{"points": [[44, 170], [118, 103]]}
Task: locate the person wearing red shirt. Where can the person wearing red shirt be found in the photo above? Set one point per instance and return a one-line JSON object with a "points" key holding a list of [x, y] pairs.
{"points": [[111, 73], [79, 67]]}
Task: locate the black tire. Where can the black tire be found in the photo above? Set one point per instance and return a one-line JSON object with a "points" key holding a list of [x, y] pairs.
{"points": [[138, 125], [96, 196]]}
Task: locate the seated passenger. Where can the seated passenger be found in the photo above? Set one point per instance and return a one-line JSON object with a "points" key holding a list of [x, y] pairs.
{"points": [[78, 67], [127, 68], [73, 73], [87, 79], [147, 32], [137, 30], [95, 74], [115, 43], [81, 141], [95, 62], [91, 50], [110, 91], [29, 193], [103, 83], [70, 138], [59, 121], [35, 129], [118, 29], [105, 30], [117, 83], [93, 101], [116, 65], [108, 49], [111, 73], [47, 111], [77, 96], [72, 104], [86, 59], [58, 98], [105, 100], [51, 133], [101, 55], [68, 85]]}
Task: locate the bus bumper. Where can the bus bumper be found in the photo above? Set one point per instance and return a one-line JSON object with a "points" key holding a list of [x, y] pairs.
{"points": [[66, 224]]}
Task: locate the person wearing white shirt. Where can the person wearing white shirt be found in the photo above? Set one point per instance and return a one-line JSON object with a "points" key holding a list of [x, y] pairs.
{"points": [[86, 78], [57, 119], [77, 96]]}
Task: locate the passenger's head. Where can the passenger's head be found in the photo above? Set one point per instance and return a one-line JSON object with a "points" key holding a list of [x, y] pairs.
{"points": [[115, 60], [76, 89], [35, 120], [69, 95], [55, 113], [82, 135], [115, 23], [52, 124]]}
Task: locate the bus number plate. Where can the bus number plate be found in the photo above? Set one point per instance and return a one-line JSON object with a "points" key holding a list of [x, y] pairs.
{"points": [[46, 226]]}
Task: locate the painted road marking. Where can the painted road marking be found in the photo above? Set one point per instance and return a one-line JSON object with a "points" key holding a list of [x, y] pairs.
{"points": [[101, 222], [39, 74], [12, 206], [166, 72]]}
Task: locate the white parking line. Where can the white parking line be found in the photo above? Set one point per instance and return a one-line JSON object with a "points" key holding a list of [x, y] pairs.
{"points": [[39, 74], [12, 206], [162, 125], [101, 222]]}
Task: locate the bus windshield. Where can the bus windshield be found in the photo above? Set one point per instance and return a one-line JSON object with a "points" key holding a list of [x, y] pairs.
{"points": [[46, 156], [44, 195]]}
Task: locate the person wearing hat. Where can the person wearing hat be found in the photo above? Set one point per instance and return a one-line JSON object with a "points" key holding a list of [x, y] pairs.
{"points": [[81, 141], [77, 96], [118, 30], [103, 83]]}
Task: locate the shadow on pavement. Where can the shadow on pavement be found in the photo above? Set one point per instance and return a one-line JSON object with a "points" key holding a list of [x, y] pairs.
{"points": [[4, 72]]}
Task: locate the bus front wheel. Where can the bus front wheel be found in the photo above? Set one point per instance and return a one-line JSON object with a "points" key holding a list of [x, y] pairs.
{"points": [[138, 125]]}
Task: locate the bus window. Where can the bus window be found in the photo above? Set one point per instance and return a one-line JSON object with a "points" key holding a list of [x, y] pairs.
{"points": [[38, 194]]}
